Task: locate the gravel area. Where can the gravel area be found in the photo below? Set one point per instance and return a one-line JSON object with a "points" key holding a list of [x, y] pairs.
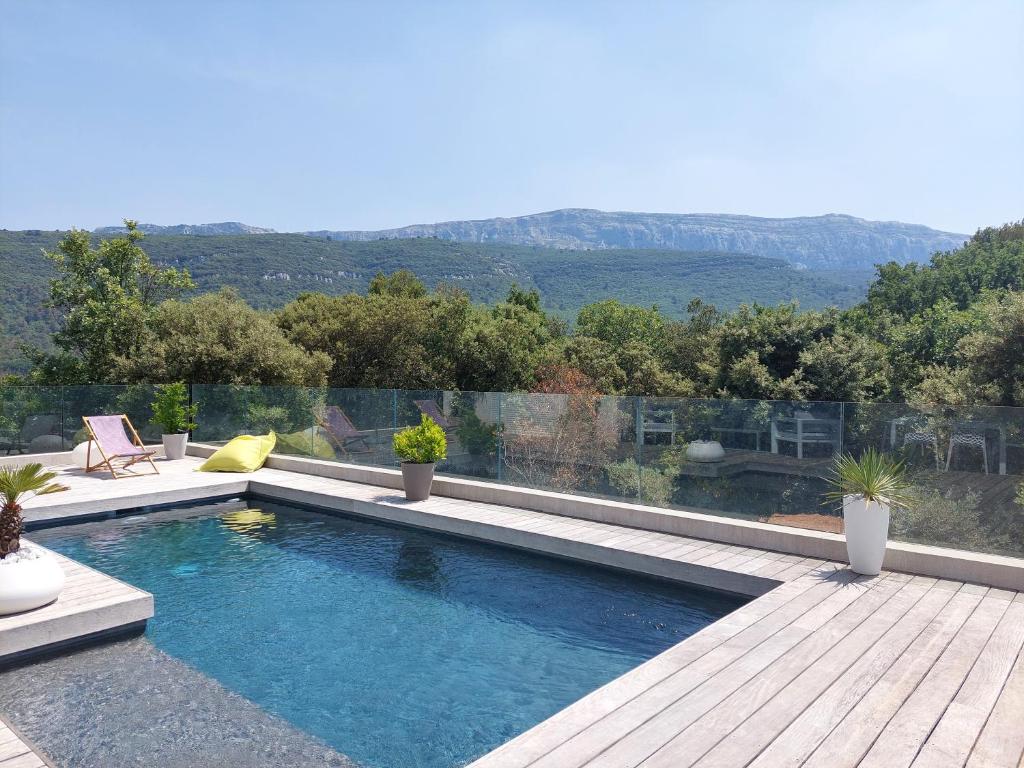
{"points": [[127, 704]]}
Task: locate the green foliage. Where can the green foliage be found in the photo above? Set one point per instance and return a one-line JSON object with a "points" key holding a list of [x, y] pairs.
{"points": [[382, 340], [171, 409], [104, 297], [18, 482], [219, 339], [271, 270], [994, 353], [942, 518], [949, 332], [15, 484], [653, 484], [993, 259], [476, 436], [875, 476], [403, 284], [423, 444]]}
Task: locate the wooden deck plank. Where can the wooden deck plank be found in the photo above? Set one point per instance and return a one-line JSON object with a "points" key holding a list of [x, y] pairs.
{"points": [[1001, 743], [795, 744], [668, 738], [821, 600], [953, 737], [906, 732], [757, 731], [548, 735], [853, 736]]}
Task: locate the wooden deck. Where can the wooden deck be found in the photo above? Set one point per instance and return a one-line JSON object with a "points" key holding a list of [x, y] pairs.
{"points": [[91, 603], [823, 668]]}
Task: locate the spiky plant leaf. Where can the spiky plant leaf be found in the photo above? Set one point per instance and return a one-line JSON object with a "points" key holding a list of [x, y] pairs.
{"points": [[16, 482], [876, 476]]}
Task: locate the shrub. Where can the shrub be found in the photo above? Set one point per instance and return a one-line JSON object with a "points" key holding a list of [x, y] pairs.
{"points": [[424, 444], [476, 436], [171, 411]]}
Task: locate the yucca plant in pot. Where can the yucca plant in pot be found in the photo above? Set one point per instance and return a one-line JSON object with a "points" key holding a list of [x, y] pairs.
{"points": [[29, 576], [869, 487], [175, 417], [420, 448]]}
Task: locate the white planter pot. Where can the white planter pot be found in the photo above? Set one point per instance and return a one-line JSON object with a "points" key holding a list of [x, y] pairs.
{"points": [[867, 530], [30, 578], [174, 445], [705, 451]]}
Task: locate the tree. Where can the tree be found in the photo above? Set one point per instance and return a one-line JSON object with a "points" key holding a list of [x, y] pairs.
{"points": [[403, 284], [501, 349], [844, 367], [994, 354], [219, 339], [759, 350], [991, 260], [106, 296], [617, 323], [384, 339]]}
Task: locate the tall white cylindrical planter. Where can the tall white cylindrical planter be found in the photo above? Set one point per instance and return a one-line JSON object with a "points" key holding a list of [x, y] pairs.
{"points": [[175, 446], [867, 530]]}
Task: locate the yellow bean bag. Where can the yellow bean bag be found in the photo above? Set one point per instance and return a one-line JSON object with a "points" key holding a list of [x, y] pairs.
{"points": [[243, 454], [307, 442]]}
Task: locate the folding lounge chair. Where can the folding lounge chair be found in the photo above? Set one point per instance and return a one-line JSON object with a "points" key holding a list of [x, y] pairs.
{"points": [[110, 436], [429, 407], [341, 431]]}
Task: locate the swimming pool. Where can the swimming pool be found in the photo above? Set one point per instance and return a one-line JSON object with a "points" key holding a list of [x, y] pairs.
{"points": [[398, 648]]}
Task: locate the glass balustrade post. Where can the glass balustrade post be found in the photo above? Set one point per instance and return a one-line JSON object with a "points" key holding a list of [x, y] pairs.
{"points": [[394, 422], [638, 416], [62, 428], [842, 426], [499, 443]]}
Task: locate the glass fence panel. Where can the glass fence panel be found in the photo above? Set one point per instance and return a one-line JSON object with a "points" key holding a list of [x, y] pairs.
{"points": [[134, 401], [226, 411], [30, 420], [753, 459], [470, 421], [357, 426], [579, 443], [965, 466]]}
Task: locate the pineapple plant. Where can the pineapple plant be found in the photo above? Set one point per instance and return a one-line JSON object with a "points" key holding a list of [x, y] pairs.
{"points": [[17, 483]]}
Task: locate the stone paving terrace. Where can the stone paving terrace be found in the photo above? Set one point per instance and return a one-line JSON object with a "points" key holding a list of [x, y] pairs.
{"points": [[822, 668]]}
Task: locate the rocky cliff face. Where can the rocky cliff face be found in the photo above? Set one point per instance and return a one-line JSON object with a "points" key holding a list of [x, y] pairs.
{"points": [[833, 241], [223, 228]]}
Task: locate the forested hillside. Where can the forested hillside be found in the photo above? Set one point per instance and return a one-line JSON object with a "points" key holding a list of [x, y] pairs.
{"points": [[951, 331], [268, 270]]}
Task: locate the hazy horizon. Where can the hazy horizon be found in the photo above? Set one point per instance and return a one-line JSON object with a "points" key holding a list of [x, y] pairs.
{"points": [[324, 115]]}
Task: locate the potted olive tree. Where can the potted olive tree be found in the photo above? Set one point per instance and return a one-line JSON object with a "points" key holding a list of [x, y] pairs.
{"points": [[420, 448], [29, 576], [175, 417], [869, 487]]}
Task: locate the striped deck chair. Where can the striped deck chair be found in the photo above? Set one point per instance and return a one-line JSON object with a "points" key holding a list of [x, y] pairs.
{"points": [[429, 407], [119, 452], [341, 431]]}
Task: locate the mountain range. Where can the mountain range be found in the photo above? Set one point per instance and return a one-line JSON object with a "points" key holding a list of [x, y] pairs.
{"points": [[832, 241]]}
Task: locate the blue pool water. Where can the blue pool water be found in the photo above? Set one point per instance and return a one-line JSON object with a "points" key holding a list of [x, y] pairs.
{"points": [[398, 648]]}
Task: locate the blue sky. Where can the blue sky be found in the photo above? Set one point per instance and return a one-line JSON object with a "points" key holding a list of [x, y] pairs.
{"points": [[303, 115]]}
